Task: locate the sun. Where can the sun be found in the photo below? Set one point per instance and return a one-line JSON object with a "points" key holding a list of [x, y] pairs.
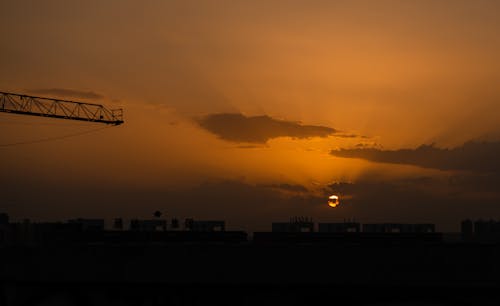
{"points": [[333, 201]]}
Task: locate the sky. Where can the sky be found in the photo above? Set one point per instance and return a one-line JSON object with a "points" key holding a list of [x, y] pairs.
{"points": [[255, 111]]}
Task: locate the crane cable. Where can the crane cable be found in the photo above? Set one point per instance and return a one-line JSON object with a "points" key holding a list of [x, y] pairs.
{"points": [[54, 138]]}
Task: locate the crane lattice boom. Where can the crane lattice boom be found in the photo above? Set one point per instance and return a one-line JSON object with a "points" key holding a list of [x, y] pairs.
{"points": [[57, 108]]}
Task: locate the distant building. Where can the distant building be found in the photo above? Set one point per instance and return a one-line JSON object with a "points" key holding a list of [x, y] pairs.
{"points": [[4, 228], [295, 225], [4, 218], [188, 223], [148, 225], [481, 230], [375, 228], [174, 224], [467, 229], [398, 228], [205, 225], [423, 228], [486, 227], [344, 227], [28, 233], [118, 224], [89, 224]]}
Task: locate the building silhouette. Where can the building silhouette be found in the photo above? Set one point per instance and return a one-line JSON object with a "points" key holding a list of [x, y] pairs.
{"points": [[398, 228], [295, 225], [480, 231], [118, 224], [149, 225], [205, 225], [88, 224], [344, 227]]}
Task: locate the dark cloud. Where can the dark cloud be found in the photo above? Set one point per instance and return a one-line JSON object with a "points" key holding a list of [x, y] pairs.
{"points": [[67, 93], [287, 187], [472, 156], [344, 135], [259, 129]]}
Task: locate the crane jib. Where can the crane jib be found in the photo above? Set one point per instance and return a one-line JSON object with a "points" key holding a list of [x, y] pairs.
{"points": [[57, 108]]}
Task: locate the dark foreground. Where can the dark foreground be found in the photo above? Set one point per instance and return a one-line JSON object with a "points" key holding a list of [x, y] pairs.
{"points": [[248, 274], [232, 294]]}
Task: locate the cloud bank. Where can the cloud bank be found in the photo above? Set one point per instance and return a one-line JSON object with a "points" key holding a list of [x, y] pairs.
{"points": [[471, 156], [259, 129]]}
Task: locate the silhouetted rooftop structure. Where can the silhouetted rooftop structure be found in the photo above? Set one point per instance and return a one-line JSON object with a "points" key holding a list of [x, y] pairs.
{"points": [[295, 225], [301, 230], [89, 224], [4, 227], [356, 238], [486, 227], [398, 228], [4, 218], [27, 232], [148, 225], [297, 230], [205, 225], [480, 231], [344, 227], [174, 224], [118, 224]]}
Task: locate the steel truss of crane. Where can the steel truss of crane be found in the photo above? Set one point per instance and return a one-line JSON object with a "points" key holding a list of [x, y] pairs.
{"points": [[57, 108]]}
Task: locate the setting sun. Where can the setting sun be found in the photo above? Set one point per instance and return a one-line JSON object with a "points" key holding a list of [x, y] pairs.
{"points": [[333, 201]]}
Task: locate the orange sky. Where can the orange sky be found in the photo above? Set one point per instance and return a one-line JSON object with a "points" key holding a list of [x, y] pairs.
{"points": [[401, 73]]}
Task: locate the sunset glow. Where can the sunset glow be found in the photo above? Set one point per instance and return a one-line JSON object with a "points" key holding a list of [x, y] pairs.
{"points": [[259, 105]]}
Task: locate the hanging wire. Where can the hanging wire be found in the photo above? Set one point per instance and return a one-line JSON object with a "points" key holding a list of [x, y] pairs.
{"points": [[42, 124], [8, 120], [54, 138]]}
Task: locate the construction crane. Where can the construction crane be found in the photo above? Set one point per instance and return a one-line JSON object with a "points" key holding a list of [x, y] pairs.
{"points": [[56, 108]]}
